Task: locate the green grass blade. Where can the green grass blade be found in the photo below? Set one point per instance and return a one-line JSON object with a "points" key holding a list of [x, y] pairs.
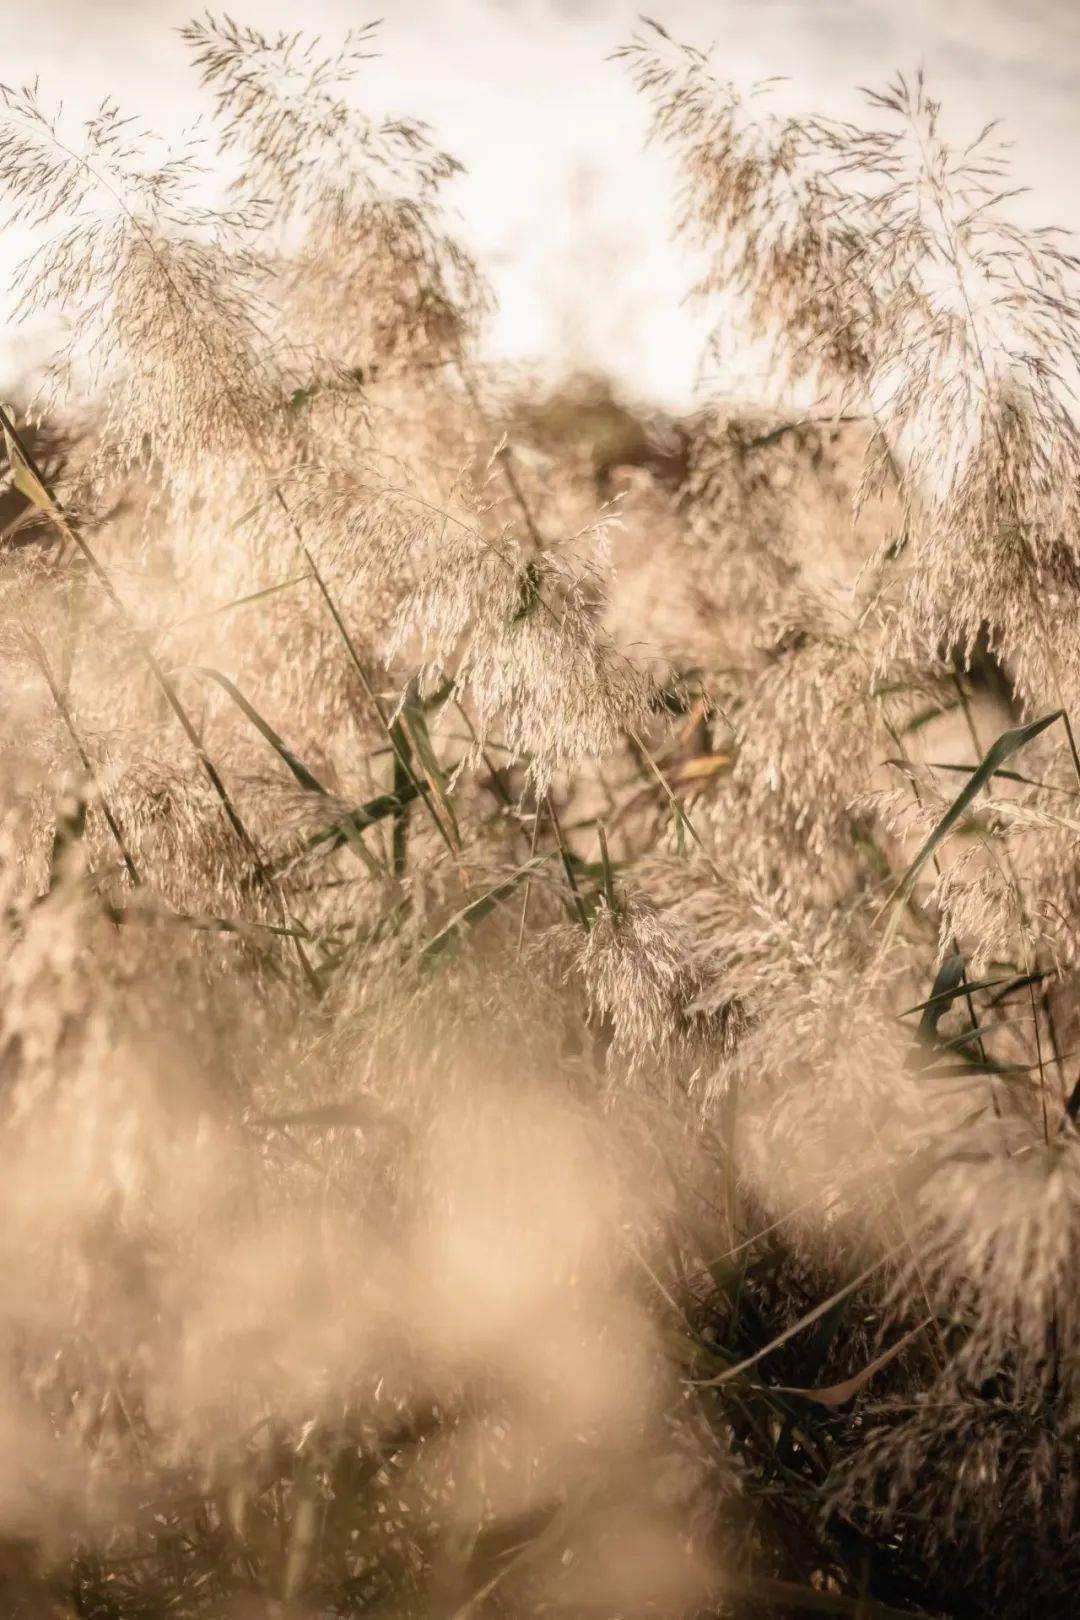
{"points": [[606, 868], [1008, 776], [949, 983], [307, 779], [364, 816], [415, 727], [945, 996], [1005, 746], [477, 910]]}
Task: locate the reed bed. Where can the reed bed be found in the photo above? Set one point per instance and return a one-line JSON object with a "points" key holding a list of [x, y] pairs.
{"points": [[539, 1012]]}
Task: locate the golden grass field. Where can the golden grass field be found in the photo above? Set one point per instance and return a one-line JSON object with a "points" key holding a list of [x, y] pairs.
{"points": [[538, 1016]]}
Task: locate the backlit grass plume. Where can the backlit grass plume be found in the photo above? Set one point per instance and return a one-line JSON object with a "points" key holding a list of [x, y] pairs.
{"points": [[538, 1022]]}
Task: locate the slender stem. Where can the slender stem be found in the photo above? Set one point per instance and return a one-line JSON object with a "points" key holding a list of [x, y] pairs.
{"points": [[528, 882], [71, 531], [230, 395], [361, 673], [87, 764], [952, 254], [579, 904], [505, 457]]}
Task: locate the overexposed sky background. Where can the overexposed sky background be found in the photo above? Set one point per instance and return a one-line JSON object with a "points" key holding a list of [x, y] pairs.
{"points": [[571, 218]]}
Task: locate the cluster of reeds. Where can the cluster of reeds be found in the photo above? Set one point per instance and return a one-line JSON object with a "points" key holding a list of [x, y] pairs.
{"points": [[538, 1017]]}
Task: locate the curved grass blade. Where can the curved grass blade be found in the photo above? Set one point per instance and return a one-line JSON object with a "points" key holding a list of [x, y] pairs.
{"points": [[945, 996], [364, 816], [399, 838], [240, 601], [805, 1321], [477, 910], [1005, 746], [949, 983], [835, 1395], [24, 474], [607, 870], [1008, 776], [954, 1071], [307, 779], [415, 727]]}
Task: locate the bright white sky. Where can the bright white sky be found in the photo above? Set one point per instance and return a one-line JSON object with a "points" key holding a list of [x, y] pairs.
{"points": [[569, 215]]}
